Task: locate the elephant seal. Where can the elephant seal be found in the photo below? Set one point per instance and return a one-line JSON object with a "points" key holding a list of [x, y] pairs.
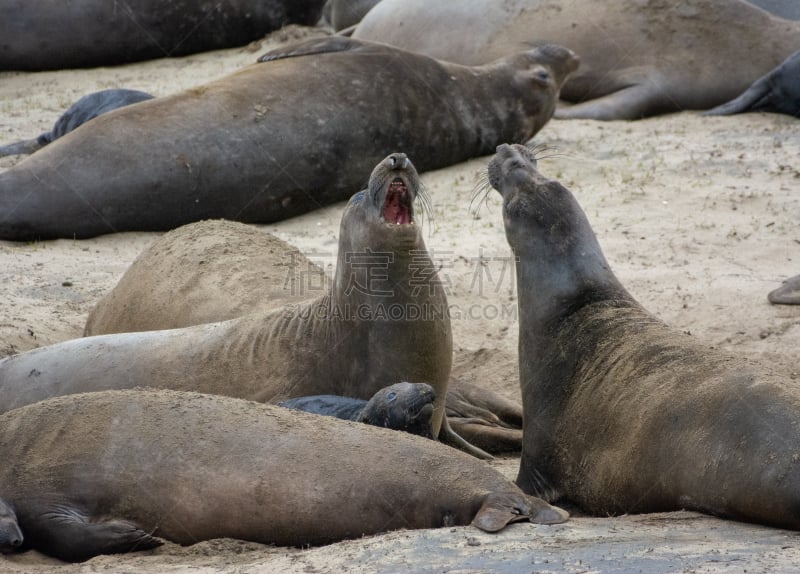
{"points": [[622, 413], [86, 108], [109, 472], [10, 535], [384, 318], [786, 294], [777, 92], [220, 270], [403, 406], [638, 57], [168, 161], [40, 34]]}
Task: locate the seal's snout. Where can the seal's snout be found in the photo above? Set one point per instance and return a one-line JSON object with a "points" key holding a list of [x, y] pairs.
{"points": [[397, 161]]}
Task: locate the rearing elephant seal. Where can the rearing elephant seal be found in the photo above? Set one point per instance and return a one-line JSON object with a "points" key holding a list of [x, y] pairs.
{"points": [[246, 148], [384, 318], [107, 472], [638, 57], [47, 35], [622, 413]]}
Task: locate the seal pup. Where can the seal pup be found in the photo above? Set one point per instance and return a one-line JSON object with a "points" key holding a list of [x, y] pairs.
{"points": [[622, 413], [384, 317], [10, 535], [403, 406], [109, 472], [777, 92], [42, 35], [786, 294], [638, 57], [86, 108], [167, 162]]}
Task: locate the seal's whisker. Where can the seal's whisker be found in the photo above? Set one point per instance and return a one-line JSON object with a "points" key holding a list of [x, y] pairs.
{"points": [[426, 208], [480, 193]]}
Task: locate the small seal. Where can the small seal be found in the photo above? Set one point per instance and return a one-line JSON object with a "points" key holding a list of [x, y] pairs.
{"points": [[622, 413], [10, 535], [133, 176], [638, 57], [403, 406], [777, 92], [86, 108], [117, 471], [786, 294]]}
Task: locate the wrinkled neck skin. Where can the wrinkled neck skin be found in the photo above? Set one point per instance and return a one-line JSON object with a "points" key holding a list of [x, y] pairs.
{"points": [[387, 300]]}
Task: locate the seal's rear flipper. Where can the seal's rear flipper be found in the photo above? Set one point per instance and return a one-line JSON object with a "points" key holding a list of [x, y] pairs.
{"points": [[69, 534], [786, 294], [501, 509], [24, 147], [315, 46], [484, 418], [449, 437]]}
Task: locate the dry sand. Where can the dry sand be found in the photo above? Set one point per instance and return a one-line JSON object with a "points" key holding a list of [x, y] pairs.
{"points": [[697, 216]]}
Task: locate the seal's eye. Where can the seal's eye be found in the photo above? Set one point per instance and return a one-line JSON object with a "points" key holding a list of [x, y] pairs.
{"points": [[391, 396], [543, 75]]}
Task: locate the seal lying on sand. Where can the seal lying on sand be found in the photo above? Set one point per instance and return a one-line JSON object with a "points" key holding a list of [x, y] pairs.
{"points": [[46, 35], [403, 406], [224, 269], [86, 108], [638, 58], [786, 294], [107, 472], [247, 148], [778, 92], [622, 413], [384, 318]]}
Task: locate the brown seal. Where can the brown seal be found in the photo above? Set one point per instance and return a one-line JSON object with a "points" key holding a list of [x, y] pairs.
{"points": [[46, 35], [108, 472], [622, 413], [167, 162], [384, 318], [638, 57]]}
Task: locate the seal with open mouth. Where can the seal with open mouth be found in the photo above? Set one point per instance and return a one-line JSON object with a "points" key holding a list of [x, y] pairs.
{"points": [[621, 413]]}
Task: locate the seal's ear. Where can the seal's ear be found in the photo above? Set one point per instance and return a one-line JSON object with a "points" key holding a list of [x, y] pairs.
{"points": [[501, 509], [315, 46]]}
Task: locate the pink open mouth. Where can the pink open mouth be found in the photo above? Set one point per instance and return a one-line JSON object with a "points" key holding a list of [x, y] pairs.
{"points": [[397, 208]]}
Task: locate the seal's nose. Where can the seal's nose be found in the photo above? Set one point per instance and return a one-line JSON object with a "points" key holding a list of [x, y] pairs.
{"points": [[397, 161]]}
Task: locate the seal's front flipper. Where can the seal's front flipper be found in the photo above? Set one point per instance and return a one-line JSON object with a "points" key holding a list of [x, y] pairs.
{"points": [[69, 534], [449, 437], [484, 418], [24, 147], [786, 294], [631, 103], [315, 46], [501, 509]]}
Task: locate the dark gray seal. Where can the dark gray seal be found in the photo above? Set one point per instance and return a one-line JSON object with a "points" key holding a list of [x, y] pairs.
{"points": [[622, 413], [109, 472], [86, 108], [383, 318], [786, 294], [246, 148], [46, 35], [789, 9], [638, 57], [403, 406], [777, 92], [11, 537]]}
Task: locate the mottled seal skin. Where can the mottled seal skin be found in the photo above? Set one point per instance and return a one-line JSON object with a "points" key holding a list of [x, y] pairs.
{"points": [[11, 537], [638, 57], [622, 413], [86, 108], [42, 35], [221, 269], [403, 406], [108, 472], [384, 317], [786, 294], [777, 92], [246, 148]]}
